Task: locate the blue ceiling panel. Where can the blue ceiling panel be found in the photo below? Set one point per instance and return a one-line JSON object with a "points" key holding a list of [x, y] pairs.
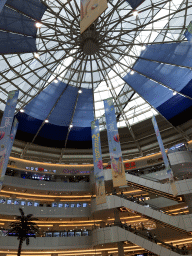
{"points": [[174, 53], [13, 21], [13, 43], [42, 104], [80, 134], [54, 132], [152, 92], [171, 76], [2, 3], [135, 3], [84, 113], [63, 111], [27, 123], [151, 78], [32, 8]]}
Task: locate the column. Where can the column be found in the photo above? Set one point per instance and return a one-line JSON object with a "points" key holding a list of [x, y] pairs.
{"points": [[105, 253], [120, 249], [188, 200], [117, 217]]}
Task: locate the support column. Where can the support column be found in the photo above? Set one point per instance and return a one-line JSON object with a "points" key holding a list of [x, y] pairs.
{"points": [[105, 253], [117, 217], [188, 200], [120, 249]]}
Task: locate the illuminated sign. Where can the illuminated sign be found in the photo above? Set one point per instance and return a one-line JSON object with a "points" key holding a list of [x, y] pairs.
{"points": [[131, 165]]}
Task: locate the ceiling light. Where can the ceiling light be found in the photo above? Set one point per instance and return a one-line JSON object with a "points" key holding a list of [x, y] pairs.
{"points": [[46, 121], [22, 110], [38, 24], [174, 93], [132, 72], [143, 47], [80, 91], [56, 81], [135, 13], [70, 126], [36, 55]]}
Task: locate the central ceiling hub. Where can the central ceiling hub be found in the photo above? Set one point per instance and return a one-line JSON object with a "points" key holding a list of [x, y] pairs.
{"points": [[90, 47], [89, 41]]}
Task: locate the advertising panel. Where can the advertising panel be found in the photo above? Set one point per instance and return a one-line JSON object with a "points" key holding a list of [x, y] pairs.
{"points": [[5, 130], [117, 166], [165, 159], [90, 11], [98, 164]]}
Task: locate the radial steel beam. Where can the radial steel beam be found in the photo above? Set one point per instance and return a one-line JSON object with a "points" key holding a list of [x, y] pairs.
{"points": [[118, 105]]}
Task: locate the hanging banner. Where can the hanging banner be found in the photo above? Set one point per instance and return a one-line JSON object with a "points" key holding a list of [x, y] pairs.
{"points": [[165, 159], [90, 11], [188, 32], [5, 129], [117, 166], [98, 164]]}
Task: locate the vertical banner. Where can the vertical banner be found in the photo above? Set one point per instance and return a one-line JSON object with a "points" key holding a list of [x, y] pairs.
{"points": [[188, 32], [165, 159], [5, 130], [117, 166], [90, 11], [98, 164]]}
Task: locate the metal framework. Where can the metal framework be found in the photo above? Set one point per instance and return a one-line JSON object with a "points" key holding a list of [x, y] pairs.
{"points": [[121, 36]]}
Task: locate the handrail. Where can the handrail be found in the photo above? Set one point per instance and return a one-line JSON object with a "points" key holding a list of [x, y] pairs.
{"points": [[146, 177], [150, 237], [139, 202]]}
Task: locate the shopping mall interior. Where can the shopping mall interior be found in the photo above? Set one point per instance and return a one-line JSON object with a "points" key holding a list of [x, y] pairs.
{"points": [[137, 53]]}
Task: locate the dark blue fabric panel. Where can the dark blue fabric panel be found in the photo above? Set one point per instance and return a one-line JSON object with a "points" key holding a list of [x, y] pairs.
{"points": [[2, 3], [135, 3], [174, 106], [15, 22], [152, 92], [28, 123], [12, 43], [84, 113], [53, 132], [63, 111], [187, 90], [172, 76], [42, 104], [32, 8], [174, 53], [80, 134]]}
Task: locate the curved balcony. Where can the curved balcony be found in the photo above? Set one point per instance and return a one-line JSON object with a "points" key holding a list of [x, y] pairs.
{"points": [[47, 243], [46, 185], [49, 212]]}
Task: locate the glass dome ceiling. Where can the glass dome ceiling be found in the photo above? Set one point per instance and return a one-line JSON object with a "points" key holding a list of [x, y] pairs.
{"points": [[121, 35]]}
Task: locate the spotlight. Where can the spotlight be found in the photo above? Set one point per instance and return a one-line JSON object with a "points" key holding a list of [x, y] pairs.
{"points": [[70, 126], [36, 55], [56, 81], [143, 47], [135, 13], [80, 91], [46, 121], [174, 93], [22, 110], [132, 72], [38, 25]]}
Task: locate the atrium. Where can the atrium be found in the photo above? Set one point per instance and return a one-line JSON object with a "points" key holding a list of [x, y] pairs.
{"points": [[135, 56]]}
